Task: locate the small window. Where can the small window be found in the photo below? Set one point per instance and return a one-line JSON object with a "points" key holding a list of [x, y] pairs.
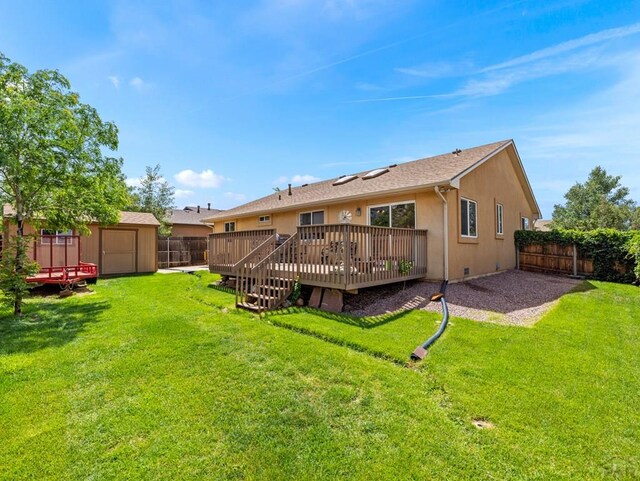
{"points": [[264, 218], [499, 219], [525, 223], [468, 218], [312, 218], [229, 226], [58, 240]]}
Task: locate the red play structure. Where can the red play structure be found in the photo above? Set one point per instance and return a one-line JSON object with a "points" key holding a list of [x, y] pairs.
{"points": [[59, 260]]}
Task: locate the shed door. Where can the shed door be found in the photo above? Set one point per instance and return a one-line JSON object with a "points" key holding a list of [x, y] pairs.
{"points": [[118, 251]]}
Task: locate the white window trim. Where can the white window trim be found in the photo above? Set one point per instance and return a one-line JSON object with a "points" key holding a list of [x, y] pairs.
{"points": [[57, 241], [263, 219], [522, 223], [468, 223], [391, 204], [499, 219], [300, 214], [229, 223]]}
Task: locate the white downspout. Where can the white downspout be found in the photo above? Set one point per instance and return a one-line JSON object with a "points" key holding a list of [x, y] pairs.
{"points": [[445, 213]]}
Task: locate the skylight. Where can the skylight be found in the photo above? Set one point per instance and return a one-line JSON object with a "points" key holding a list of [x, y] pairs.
{"points": [[375, 173], [345, 179]]}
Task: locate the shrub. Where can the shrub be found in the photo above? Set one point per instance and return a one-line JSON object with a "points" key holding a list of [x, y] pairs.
{"points": [[615, 254]]}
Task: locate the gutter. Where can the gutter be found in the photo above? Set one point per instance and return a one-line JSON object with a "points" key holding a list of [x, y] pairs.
{"points": [[445, 222]]}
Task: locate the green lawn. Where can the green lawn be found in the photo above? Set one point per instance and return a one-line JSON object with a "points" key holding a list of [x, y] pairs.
{"points": [[159, 377]]}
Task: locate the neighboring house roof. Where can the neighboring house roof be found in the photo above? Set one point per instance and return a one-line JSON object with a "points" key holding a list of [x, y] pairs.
{"points": [[190, 215], [542, 225], [128, 218], [446, 169]]}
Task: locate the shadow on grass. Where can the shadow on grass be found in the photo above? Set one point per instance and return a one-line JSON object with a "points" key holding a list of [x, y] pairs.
{"points": [[47, 324], [582, 287], [352, 320], [225, 289]]}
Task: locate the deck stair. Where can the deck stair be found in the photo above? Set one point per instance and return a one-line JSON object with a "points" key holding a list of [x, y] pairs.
{"points": [[266, 279]]}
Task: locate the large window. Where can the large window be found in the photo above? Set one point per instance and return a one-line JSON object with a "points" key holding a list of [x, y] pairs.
{"points": [[312, 218], [468, 218], [229, 226], [499, 219], [56, 240], [393, 215]]}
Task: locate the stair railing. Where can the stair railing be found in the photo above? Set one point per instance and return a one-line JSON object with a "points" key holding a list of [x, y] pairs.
{"points": [[242, 268], [270, 282]]}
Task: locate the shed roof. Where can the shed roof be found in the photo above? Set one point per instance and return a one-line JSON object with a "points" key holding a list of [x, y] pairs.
{"points": [[432, 171], [138, 218], [127, 218]]}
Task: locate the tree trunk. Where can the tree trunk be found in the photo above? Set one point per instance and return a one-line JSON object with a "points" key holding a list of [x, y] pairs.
{"points": [[17, 301]]}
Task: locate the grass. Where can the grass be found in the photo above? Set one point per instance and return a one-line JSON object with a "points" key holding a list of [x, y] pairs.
{"points": [[159, 377]]}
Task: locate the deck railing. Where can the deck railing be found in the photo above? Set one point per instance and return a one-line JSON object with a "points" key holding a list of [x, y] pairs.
{"points": [[340, 256], [350, 256], [226, 249]]}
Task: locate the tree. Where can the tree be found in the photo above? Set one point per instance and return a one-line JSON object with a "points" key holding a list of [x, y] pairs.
{"points": [[154, 195], [600, 202], [52, 165]]}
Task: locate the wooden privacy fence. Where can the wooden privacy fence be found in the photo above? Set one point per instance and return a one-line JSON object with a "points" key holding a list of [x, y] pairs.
{"points": [[555, 259], [182, 251]]}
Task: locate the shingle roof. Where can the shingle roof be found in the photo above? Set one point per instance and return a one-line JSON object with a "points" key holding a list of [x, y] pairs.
{"points": [[138, 218], [129, 218], [190, 215], [431, 171]]}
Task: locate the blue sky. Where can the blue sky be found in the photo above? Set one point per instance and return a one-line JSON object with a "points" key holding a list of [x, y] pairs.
{"points": [[235, 98]]}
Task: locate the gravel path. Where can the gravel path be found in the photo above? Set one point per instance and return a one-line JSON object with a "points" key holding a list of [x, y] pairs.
{"points": [[512, 297]]}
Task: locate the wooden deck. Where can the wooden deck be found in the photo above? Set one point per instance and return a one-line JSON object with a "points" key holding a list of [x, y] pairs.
{"points": [[339, 256]]}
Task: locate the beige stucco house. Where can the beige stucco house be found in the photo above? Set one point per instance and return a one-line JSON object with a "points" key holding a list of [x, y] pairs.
{"points": [[453, 216], [188, 222]]}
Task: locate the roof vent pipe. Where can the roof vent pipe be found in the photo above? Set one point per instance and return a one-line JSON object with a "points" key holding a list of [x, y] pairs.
{"points": [[289, 189], [208, 205], [198, 209]]}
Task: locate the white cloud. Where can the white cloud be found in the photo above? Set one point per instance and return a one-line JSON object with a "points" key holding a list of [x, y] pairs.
{"points": [[587, 52], [137, 83], [133, 181], [296, 179], [436, 69], [283, 179], [207, 179], [235, 196], [182, 193], [587, 40], [115, 80], [304, 179]]}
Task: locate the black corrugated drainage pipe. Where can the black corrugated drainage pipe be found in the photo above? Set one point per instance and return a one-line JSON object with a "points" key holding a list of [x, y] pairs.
{"points": [[421, 351]]}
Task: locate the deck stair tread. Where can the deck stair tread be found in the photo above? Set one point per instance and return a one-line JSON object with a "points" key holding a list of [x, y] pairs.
{"points": [[249, 306]]}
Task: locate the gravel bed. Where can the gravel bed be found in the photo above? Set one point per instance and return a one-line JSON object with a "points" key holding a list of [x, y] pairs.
{"points": [[511, 297]]}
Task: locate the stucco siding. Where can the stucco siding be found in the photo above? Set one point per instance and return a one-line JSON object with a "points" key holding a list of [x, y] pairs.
{"points": [[495, 181]]}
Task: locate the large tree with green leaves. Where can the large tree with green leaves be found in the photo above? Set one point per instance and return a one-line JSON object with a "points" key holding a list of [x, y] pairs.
{"points": [[154, 195], [53, 166], [599, 202]]}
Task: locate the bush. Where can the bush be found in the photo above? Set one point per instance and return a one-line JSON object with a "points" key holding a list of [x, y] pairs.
{"points": [[615, 254]]}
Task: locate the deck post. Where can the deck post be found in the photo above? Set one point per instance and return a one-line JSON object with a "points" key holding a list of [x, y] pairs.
{"points": [[346, 245]]}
